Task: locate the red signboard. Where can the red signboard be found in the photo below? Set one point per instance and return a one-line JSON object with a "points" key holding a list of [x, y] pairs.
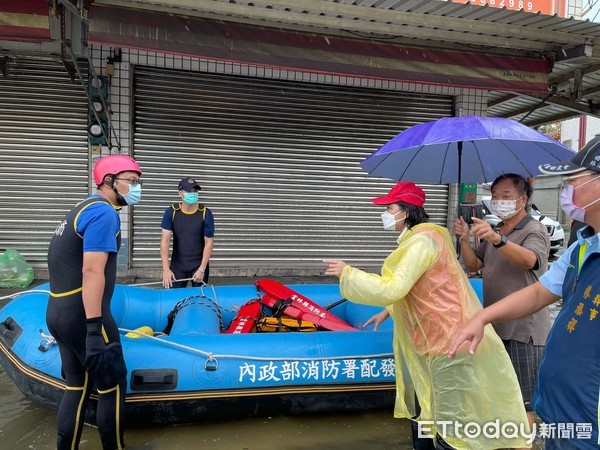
{"points": [[24, 20], [293, 50], [550, 7]]}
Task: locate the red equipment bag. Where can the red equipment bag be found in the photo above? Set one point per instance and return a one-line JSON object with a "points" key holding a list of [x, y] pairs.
{"points": [[284, 300], [245, 319]]}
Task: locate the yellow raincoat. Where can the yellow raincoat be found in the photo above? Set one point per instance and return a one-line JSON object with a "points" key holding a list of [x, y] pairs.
{"points": [[429, 297]]}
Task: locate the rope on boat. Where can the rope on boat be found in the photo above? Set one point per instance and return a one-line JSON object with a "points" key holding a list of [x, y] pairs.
{"points": [[213, 357], [188, 301], [160, 282], [33, 291], [42, 291]]}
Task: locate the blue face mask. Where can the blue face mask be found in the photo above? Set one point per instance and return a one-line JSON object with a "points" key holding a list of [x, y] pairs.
{"points": [[134, 195], [190, 197]]}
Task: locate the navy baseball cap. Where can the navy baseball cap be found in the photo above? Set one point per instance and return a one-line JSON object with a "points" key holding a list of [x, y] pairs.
{"points": [[188, 184], [586, 158]]}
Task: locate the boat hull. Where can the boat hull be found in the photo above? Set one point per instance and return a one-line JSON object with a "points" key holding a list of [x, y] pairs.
{"points": [[194, 376]]}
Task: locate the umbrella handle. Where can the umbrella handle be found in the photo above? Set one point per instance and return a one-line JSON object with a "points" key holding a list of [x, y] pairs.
{"points": [[458, 210]]}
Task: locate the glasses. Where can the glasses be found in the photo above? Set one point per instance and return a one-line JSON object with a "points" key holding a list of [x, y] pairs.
{"points": [[132, 181]]}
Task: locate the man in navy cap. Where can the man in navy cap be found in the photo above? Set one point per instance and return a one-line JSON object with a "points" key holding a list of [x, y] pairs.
{"points": [[193, 229], [567, 395]]}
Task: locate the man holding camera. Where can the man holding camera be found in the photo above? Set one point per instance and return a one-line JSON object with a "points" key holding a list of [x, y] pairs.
{"points": [[511, 257]]}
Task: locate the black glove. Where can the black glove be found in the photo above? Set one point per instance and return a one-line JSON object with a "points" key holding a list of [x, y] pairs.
{"points": [[104, 362]]}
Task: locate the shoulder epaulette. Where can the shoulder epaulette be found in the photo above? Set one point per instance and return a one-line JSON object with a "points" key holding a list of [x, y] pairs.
{"points": [[176, 207]]}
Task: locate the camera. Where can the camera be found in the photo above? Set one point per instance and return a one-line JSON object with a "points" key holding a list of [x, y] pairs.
{"points": [[468, 210]]}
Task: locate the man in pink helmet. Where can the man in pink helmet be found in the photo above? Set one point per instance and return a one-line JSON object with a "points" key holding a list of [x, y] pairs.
{"points": [[82, 267]]}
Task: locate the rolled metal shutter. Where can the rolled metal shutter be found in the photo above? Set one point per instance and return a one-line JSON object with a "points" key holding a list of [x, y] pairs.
{"points": [[277, 162], [44, 153]]}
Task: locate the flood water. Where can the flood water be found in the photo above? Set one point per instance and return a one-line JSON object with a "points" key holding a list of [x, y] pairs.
{"points": [[24, 425]]}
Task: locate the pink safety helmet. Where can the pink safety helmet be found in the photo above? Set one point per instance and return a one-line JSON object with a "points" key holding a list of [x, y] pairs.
{"points": [[114, 164]]}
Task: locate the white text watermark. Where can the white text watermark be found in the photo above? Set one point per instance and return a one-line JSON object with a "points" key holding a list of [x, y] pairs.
{"points": [[506, 430]]}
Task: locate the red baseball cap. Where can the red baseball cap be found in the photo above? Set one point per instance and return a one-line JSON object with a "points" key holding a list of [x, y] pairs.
{"points": [[404, 191]]}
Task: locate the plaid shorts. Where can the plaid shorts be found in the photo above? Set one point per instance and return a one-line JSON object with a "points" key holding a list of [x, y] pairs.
{"points": [[526, 359]]}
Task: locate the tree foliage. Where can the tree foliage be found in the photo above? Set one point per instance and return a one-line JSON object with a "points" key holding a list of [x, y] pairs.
{"points": [[551, 130]]}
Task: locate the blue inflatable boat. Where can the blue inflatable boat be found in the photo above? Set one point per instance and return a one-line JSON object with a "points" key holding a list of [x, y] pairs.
{"points": [[197, 373]]}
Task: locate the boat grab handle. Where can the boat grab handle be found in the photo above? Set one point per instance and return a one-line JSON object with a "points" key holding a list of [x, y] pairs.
{"points": [[153, 379], [10, 331], [211, 364]]}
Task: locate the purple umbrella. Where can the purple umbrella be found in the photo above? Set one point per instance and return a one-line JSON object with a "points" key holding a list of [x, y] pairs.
{"points": [[465, 150]]}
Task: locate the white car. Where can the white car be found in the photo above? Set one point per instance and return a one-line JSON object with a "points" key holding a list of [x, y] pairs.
{"points": [[555, 230]]}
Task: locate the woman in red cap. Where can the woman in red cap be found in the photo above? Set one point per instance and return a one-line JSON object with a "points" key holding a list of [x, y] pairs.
{"points": [[427, 294]]}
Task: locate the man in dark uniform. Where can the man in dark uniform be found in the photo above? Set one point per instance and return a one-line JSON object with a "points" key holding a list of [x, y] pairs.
{"points": [[82, 266], [193, 229]]}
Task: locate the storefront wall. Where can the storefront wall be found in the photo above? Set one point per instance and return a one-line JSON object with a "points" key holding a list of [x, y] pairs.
{"points": [[276, 153], [44, 153], [275, 150]]}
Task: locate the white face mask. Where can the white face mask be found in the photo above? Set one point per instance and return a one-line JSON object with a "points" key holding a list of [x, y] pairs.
{"points": [[389, 220], [566, 201], [505, 209]]}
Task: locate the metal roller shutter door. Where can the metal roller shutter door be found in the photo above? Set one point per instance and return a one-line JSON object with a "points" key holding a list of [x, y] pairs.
{"points": [[277, 161], [44, 153]]}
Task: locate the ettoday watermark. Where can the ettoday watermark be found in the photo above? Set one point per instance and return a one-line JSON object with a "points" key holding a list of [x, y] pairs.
{"points": [[506, 430]]}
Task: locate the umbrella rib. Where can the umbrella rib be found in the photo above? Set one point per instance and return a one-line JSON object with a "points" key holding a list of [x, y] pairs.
{"points": [[421, 147], [479, 159], [381, 162], [443, 164]]}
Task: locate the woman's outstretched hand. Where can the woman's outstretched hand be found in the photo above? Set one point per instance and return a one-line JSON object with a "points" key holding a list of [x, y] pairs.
{"points": [[377, 319], [335, 267], [471, 331]]}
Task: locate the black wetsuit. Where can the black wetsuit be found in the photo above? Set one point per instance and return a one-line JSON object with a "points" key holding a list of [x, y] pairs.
{"points": [[189, 231], [66, 321]]}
